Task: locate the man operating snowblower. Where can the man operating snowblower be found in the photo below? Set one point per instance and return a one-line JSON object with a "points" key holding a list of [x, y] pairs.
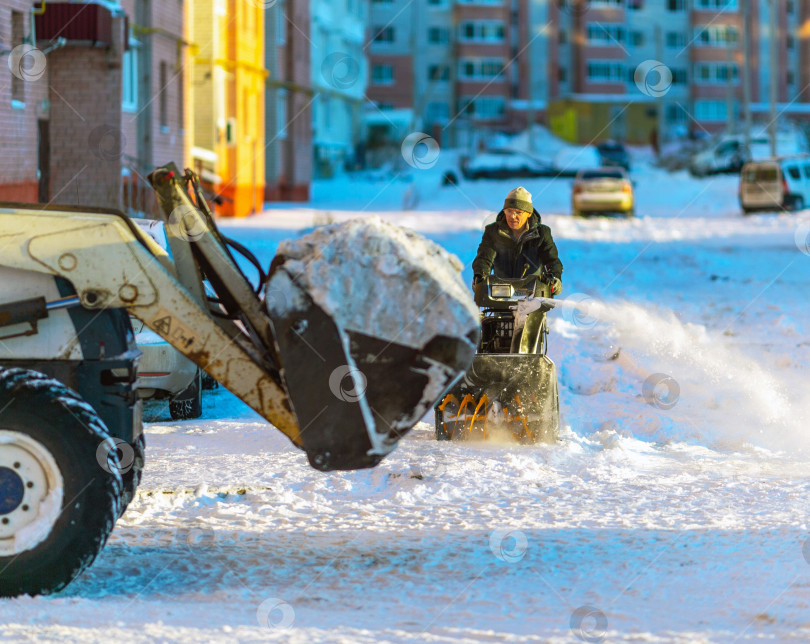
{"points": [[511, 388], [518, 244]]}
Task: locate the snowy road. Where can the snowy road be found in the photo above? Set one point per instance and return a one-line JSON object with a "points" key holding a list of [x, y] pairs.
{"points": [[685, 521]]}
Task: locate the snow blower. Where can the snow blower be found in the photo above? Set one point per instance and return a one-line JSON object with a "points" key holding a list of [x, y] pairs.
{"points": [[511, 388]]}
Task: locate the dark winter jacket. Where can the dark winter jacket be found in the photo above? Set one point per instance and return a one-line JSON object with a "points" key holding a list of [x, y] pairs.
{"points": [[533, 252]]}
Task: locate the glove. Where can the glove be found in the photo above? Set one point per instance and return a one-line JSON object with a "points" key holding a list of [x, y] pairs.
{"points": [[556, 286], [477, 279]]}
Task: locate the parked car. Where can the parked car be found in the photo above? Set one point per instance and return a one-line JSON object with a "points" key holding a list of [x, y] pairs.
{"points": [[505, 164], [571, 159], [612, 153], [728, 153], [602, 191], [164, 372], [775, 184]]}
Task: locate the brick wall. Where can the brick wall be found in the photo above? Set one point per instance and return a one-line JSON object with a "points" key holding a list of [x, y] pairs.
{"points": [[85, 95], [18, 120]]}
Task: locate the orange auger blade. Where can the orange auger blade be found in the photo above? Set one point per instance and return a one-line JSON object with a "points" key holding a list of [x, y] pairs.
{"points": [[479, 413]]}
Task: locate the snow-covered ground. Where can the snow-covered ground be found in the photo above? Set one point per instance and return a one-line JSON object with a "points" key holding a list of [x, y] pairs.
{"points": [[675, 507]]}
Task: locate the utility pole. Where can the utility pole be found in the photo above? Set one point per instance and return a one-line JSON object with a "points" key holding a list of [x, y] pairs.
{"points": [[530, 108], [774, 76], [729, 86], [746, 44], [659, 54]]}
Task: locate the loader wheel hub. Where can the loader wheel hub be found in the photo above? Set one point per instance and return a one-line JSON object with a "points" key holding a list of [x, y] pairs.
{"points": [[31, 492], [12, 490]]}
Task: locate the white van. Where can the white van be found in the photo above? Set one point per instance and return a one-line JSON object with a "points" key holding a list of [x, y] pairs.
{"points": [[775, 184]]}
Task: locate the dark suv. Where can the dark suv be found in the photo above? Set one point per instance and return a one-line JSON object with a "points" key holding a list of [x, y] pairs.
{"points": [[614, 154]]}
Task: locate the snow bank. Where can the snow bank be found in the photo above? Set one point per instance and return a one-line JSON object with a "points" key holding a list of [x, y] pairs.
{"points": [[376, 278]]}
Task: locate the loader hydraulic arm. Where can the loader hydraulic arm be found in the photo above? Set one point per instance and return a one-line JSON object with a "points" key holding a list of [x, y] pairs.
{"points": [[112, 264]]}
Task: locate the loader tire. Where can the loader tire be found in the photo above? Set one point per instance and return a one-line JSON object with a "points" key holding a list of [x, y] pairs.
{"points": [[132, 475], [60, 485], [187, 405]]}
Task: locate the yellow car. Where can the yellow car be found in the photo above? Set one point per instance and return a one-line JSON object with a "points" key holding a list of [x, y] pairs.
{"points": [[602, 191]]}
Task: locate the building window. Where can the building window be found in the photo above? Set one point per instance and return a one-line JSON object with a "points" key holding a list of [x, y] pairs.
{"points": [[482, 31], [164, 96], [676, 5], [714, 73], [676, 40], [606, 72], [716, 5], [635, 5], [679, 76], [438, 35], [281, 114], [484, 107], [17, 36], [563, 36], [562, 75], [480, 68], [602, 34], [676, 114], [438, 73], [437, 113], [384, 34], [382, 75], [636, 38], [129, 74], [710, 110], [716, 36]]}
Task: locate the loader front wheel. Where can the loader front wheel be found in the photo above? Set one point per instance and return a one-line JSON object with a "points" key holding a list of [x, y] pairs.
{"points": [[60, 485], [132, 470]]}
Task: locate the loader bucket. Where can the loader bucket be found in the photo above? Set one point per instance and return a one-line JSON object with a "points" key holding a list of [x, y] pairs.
{"points": [[358, 383], [507, 395]]}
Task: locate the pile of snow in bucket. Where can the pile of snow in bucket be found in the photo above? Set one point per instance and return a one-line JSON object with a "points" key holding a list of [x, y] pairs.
{"points": [[377, 278]]}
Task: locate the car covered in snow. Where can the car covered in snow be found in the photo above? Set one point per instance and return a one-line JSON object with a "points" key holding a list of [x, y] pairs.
{"points": [[602, 191], [505, 164], [775, 184]]}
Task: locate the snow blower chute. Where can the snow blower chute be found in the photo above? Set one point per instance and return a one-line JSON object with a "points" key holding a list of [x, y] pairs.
{"points": [[511, 388]]}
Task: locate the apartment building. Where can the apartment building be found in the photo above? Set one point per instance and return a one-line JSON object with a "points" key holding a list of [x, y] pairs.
{"points": [[339, 76], [154, 124], [451, 67], [60, 102], [227, 81], [591, 69]]}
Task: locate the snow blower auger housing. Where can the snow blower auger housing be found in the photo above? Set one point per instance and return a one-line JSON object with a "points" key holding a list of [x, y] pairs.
{"points": [[511, 388], [343, 389]]}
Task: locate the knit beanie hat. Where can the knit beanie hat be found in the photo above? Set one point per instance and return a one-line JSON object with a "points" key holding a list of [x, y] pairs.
{"points": [[519, 198]]}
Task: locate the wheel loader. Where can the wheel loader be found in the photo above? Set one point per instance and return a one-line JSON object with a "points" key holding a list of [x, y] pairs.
{"points": [[510, 392], [342, 383]]}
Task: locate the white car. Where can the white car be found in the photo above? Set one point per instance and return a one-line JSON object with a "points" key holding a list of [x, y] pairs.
{"points": [[505, 164], [165, 373], [775, 184], [603, 190]]}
